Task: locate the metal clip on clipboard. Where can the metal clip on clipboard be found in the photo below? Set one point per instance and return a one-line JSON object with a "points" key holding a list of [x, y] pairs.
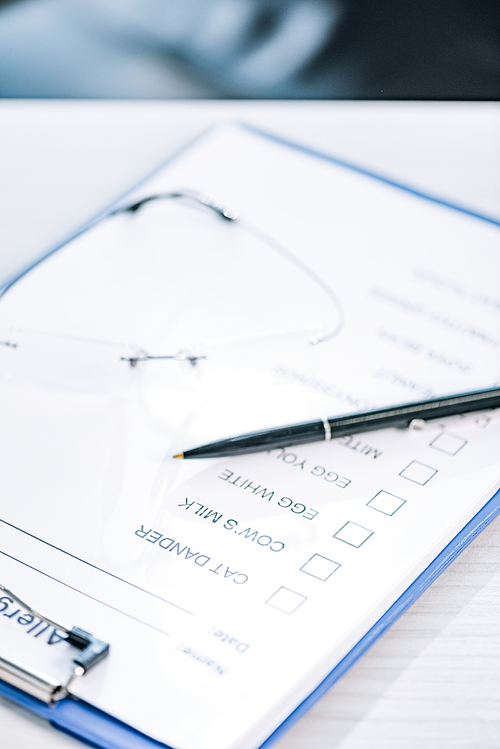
{"points": [[45, 687]]}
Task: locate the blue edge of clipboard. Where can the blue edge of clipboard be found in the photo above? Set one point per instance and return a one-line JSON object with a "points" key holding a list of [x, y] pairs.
{"points": [[98, 729]]}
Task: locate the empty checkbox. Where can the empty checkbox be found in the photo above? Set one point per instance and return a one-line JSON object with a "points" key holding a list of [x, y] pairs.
{"points": [[286, 600], [448, 443], [353, 534], [320, 567], [418, 472], [386, 503]]}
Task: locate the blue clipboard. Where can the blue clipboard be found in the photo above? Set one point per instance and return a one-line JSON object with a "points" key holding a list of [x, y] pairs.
{"points": [[81, 720], [90, 724]]}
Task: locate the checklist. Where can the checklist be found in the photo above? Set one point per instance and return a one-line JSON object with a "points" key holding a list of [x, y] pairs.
{"points": [[320, 567], [353, 534], [448, 443], [286, 600], [418, 472], [385, 502]]}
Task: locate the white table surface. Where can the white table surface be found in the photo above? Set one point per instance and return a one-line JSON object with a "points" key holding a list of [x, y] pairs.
{"points": [[433, 680]]}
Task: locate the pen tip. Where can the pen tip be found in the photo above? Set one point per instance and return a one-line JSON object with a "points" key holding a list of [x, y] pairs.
{"points": [[179, 455]]}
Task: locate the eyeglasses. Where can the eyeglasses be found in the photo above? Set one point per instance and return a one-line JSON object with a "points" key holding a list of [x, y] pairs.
{"points": [[174, 285]]}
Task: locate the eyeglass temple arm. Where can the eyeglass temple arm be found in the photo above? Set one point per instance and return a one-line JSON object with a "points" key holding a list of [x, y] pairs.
{"points": [[230, 215], [202, 199]]}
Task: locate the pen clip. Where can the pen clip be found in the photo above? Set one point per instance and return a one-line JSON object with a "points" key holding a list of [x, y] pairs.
{"points": [[479, 418]]}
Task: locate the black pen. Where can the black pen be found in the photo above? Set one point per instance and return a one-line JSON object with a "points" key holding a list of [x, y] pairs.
{"points": [[327, 429]]}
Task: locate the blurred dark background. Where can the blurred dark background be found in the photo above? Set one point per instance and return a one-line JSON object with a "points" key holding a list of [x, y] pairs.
{"points": [[280, 49]]}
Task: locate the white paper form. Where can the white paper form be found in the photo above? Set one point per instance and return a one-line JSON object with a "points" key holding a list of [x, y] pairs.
{"points": [[229, 588]]}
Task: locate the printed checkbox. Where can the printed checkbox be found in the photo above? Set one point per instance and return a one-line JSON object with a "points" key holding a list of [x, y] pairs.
{"points": [[320, 567], [353, 534], [418, 472], [286, 600], [386, 503], [448, 443]]}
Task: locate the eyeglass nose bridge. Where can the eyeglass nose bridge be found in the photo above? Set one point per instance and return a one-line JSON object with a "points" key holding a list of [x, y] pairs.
{"points": [[179, 356]]}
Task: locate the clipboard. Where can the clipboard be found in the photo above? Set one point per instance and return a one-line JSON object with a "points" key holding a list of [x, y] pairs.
{"points": [[82, 719]]}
